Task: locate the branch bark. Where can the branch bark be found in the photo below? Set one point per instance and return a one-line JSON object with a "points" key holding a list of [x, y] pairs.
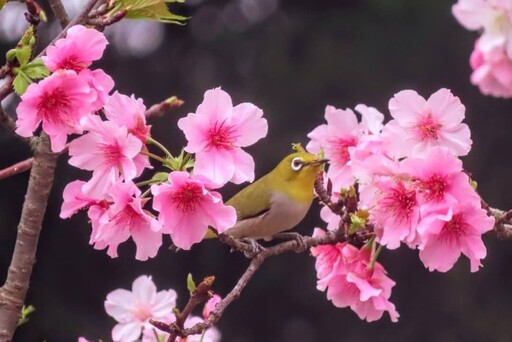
{"points": [[14, 290]]}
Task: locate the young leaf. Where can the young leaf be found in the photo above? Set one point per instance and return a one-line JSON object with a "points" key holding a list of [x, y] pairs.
{"points": [[191, 285], [148, 9], [23, 54], [36, 69], [25, 312], [21, 83]]}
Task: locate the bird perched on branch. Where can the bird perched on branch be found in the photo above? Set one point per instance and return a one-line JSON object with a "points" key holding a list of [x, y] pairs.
{"points": [[279, 200]]}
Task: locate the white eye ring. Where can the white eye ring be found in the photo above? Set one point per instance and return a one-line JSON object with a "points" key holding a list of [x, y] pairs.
{"points": [[297, 164]]}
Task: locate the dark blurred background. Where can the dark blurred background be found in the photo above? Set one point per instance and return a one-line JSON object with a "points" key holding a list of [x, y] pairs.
{"points": [[291, 58]]}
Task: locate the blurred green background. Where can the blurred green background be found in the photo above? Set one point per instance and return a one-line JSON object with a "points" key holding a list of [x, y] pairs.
{"points": [[291, 58]]}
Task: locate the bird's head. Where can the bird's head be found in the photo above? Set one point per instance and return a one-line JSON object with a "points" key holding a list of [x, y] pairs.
{"points": [[299, 168]]}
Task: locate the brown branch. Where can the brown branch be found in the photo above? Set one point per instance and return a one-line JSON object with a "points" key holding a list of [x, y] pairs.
{"points": [[330, 237], [201, 294], [16, 168], [14, 290], [6, 120], [503, 225], [102, 22], [60, 12]]}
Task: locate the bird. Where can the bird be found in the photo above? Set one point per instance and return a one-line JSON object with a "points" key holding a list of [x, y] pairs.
{"points": [[279, 200]]}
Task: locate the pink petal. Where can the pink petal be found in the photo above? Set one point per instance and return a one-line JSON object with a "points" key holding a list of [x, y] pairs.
{"points": [[119, 304], [406, 106], [244, 170], [127, 332], [446, 108], [215, 164], [148, 242], [437, 255], [249, 124], [216, 105], [144, 290]]}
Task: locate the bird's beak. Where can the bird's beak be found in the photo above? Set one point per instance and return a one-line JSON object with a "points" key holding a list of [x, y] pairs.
{"points": [[319, 162]]}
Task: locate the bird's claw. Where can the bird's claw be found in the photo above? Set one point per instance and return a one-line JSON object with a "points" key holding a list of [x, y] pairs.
{"points": [[301, 244], [255, 247]]}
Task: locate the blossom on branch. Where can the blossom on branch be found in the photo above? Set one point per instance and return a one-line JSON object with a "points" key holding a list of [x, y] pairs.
{"points": [[59, 101], [187, 207], [216, 133], [351, 280], [77, 51], [419, 125], [133, 309], [109, 151]]}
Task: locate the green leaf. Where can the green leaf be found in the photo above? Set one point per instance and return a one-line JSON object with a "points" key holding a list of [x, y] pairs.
{"points": [[23, 54], [148, 9], [2, 4], [159, 177], [21, 83], [25, 312], [35, 69], [356, 223], [191, 285]]}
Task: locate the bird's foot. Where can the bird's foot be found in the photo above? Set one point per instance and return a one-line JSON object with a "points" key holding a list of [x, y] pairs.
{"points": [[301, 244], [255, 247]]}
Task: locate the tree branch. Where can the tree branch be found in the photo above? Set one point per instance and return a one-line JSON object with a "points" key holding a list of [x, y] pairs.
{"points": [[14, 290], [16, 168], [60, 12], [331, 237]]}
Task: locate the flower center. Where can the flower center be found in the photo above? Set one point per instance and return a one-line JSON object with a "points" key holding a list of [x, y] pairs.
{"points": [[111, 153], [52, 104], [221, 136], [187, 197], [428, 128], [455, 228], [434, 188], [338, 149], [400, 201], [143, 314], [73, 63]]}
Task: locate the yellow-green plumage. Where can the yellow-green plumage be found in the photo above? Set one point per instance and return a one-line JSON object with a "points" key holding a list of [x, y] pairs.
{"points": [[277, 201]]}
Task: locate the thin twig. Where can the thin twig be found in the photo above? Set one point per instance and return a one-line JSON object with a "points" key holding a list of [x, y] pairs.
{"points": [[6, 120], [330, 237], [60, 12], [100, 23], [16, 168]]}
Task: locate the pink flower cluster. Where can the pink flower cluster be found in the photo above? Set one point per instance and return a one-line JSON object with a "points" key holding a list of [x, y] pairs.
{"points": [[133, 310], [350, 280], [410, 180], [491, 59], [112, 145]]}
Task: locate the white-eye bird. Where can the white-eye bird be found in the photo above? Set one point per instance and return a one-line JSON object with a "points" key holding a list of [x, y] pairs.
{"points": [[279, 200]]}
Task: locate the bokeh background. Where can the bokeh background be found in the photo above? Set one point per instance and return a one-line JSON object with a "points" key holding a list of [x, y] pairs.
{"points": [[291, 58]]}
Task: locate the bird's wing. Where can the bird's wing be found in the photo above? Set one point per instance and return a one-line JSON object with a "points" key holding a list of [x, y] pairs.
{"points": [[252, 201]]}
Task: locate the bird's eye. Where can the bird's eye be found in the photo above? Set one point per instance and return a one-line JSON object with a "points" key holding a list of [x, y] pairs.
{"points": [[297, 164]]}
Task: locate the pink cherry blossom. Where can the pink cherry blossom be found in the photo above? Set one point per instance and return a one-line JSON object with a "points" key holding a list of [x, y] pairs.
{"points": [[187, 208], [210, 305], [347, 276], [439, 179], [74, 199], [109, 151], [492, 71], [420, 124], [396, 213], [127, 218], [133, 309], [216, 133], [129, 112], [100, 83], [59, 102], [77, 51], [335, 138], [447, 234], [494, 17]]}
